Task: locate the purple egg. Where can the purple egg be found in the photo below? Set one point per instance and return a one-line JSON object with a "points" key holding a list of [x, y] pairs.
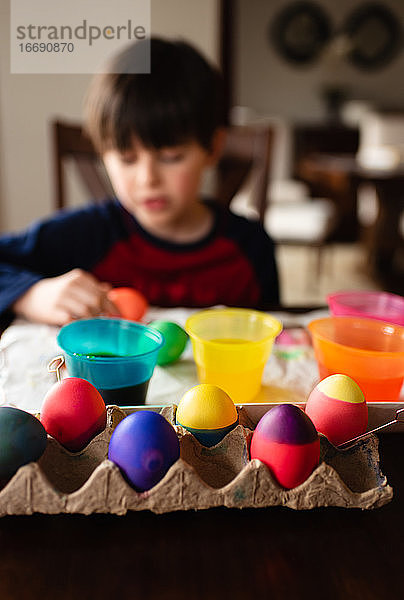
{"points": [[286, 440], [288, 424], [144, 446]]}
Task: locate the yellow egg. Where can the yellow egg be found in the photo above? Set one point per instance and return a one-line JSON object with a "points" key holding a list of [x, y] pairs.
{"points": [[207, 412], [341, 387]]}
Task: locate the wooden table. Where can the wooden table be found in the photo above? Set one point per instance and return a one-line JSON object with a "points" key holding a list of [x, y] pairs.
{"points": [[222, 553], [338, 177], [270, 553]]}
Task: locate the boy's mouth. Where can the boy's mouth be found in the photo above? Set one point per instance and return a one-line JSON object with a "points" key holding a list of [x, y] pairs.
{"points": [[156, 203]]}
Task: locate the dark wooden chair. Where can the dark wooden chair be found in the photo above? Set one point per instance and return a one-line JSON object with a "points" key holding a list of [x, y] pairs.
{"points": [[311, 141], [246, 157], [246, 154], [71, 144], [327, 137]]}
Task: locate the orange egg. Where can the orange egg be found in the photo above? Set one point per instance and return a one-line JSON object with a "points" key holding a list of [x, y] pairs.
{"points": [[131, 303]]}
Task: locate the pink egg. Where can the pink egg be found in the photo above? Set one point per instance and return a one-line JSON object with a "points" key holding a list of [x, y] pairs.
{"points": [[338, 408], [286, 440]]}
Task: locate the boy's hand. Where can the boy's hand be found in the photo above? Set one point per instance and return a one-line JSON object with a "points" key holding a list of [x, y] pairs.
{"points": [[59, 300]]}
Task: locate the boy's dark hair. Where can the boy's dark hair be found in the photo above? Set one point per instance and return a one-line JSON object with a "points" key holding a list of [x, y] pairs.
{"points": [[180, 100]]}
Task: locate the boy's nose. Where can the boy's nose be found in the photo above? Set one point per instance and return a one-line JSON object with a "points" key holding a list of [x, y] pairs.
{"points": [[146, 172]]}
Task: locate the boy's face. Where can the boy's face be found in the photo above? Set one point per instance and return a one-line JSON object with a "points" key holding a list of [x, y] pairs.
{"points": [[160, 187]]}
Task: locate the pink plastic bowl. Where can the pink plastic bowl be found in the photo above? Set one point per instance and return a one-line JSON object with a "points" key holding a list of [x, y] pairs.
{"points": [[374, 305]]}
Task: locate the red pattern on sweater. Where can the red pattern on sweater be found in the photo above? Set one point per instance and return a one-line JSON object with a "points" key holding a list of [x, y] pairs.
{"points": [[204, 276]]}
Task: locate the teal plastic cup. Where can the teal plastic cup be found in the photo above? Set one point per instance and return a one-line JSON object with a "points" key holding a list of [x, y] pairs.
{"points": [[117, 356]]}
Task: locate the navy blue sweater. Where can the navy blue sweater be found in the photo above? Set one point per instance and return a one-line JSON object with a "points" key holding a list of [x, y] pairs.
{"points": [[233, 265]]}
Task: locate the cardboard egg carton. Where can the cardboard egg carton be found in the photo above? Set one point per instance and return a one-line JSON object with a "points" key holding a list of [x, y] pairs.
{"points": [[87, 482]]}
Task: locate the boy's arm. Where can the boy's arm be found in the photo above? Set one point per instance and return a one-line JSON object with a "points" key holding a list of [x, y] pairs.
{"points": [[58, 300], [43, 270], [14, 282]]}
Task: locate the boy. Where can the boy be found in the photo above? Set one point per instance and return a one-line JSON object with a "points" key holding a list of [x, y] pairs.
{"points": [[156, 134]]}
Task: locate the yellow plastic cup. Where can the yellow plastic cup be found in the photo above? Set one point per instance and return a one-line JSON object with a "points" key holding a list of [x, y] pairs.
{"points": [[369, 351], [231, 347]]}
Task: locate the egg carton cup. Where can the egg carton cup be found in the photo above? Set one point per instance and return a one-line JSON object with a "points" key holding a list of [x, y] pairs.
{"points": [[87, 482]]}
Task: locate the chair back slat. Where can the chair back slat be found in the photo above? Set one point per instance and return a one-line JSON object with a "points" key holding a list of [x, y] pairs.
{"points": [[246, 153], [70, 143]]}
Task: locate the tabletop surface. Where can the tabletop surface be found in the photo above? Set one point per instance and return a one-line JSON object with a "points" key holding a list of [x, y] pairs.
{"points": [[348, 163], [272, 552], [216, 553]]}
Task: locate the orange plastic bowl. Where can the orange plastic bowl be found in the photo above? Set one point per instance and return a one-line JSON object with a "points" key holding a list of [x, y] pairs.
{"points": [[369, 351]]}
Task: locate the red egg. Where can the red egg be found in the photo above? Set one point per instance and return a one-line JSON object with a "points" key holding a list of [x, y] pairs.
{"points": [[73, 412], [286, 440], [338, 408], [131, 303]]}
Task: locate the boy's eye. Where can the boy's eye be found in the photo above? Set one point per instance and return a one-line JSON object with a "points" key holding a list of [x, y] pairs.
{"points": [[127, 159], [169, 156]]}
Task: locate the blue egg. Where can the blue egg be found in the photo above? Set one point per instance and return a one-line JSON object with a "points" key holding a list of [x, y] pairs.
{"points": [[211, 437], [144, 446], [208, 413], [22, 440]]}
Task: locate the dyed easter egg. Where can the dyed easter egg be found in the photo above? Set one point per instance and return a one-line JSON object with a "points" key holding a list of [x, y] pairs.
{"points": [[73, 412], [207, 412], [286, 440], [144, 446], [22, 440], [338, 408], [131, 303], [175, 340]]}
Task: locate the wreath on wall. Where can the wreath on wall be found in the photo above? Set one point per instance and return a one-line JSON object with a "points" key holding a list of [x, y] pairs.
{"points": [[301, 31]]}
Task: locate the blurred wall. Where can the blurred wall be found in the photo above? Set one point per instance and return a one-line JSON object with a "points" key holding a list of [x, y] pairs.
{"points": [[29, 102], [264, 82], [268, 84]]}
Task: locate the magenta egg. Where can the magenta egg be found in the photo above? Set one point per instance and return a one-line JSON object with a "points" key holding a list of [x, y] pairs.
{"points": [[286, 440]]}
